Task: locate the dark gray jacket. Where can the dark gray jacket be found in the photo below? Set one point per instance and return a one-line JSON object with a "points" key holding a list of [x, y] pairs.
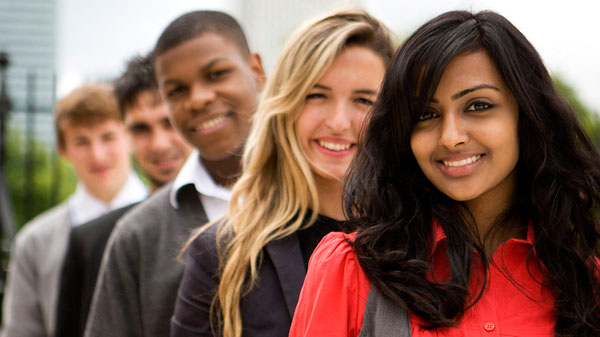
{"points": [[139, 276]]}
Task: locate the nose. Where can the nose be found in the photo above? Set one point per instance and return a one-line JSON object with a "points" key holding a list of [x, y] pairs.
{"points": [[454, 132], [338, 119], [160, 140], [98, 152], [201, 96]]}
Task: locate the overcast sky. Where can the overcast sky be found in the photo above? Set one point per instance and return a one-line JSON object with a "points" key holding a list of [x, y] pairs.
{"points": [[97, 36]]}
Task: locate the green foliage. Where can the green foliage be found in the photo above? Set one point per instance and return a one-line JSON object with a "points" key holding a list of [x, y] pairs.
{"points": [[589, 119], [37, 178]]}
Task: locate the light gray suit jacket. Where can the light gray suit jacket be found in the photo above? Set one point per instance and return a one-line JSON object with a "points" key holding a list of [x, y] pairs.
{"points": [[32, 283]]}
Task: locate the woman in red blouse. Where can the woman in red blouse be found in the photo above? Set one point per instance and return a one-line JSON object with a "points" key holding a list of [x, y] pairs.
{"points": [[476, 194]]}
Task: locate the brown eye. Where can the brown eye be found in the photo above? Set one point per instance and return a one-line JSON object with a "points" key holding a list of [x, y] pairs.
{"points": [[479, 105], [428, 114], [365, 101]]}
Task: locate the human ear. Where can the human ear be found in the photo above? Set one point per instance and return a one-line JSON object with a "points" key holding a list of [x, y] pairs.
{"points": [[258, 71]]}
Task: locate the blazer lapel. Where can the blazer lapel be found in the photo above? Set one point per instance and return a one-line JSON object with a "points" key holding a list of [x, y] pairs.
{"points": [[289, 264]]}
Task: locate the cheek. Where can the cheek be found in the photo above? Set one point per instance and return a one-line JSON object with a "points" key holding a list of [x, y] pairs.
{"points": [[417, 143], [359, 122], [139, 144], [305, 125]]}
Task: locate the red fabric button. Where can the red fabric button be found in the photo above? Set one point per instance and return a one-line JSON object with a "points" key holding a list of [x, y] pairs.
{"points": [[489, 326]]}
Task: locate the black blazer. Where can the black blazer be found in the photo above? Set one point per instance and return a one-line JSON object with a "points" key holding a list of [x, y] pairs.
{"points": [[80, 271], [266, 311]]}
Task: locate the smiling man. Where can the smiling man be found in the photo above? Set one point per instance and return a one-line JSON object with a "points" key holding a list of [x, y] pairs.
{"points": [[210, 82], [91, 136]]}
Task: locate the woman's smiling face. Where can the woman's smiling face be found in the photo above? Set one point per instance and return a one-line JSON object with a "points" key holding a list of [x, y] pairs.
{"points": [[334, 112], [466, 142]]}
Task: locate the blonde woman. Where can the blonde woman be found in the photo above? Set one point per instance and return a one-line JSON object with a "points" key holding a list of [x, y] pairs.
{"points": [[243, 275]]}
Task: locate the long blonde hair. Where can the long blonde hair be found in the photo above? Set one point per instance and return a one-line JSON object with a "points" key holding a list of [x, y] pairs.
{"points": [[276, 190]]}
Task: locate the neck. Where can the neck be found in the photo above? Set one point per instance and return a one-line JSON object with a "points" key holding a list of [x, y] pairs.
{"points": [[330, 198], [105, 196], [487, 210], [107, 192], [224, 172]]}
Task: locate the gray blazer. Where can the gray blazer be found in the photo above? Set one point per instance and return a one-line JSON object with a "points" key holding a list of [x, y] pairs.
{"points": [[139, 276], [33, 274]]}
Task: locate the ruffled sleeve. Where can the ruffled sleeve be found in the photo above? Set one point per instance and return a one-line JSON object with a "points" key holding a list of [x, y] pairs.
{"points": [[335, 291]]}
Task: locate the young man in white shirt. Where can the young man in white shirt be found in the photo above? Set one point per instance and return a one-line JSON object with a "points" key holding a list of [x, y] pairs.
{"points": [[159, 151], [210, 81], [91, 136]]}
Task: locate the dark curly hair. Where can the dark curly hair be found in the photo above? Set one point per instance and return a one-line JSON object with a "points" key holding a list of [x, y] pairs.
{"points": [[138, 77], [558, 181]]}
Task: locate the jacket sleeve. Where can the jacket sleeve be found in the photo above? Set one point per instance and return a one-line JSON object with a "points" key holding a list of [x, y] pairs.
{"points": [[115, 309], [334, 294], [21, 307], [197, 288]]}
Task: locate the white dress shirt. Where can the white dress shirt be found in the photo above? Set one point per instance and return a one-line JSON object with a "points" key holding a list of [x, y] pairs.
{"points": [[83, 206], [214, 197]]}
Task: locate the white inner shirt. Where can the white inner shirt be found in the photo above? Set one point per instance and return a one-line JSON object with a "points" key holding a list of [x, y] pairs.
{"points": [[214, 197], [83, 206]]}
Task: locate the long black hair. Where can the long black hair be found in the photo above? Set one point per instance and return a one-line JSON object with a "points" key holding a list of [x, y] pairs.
{"points": [[558, 181]]}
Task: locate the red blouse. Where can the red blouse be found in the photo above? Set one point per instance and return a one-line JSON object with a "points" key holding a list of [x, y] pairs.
{"points": [[333, 298]]}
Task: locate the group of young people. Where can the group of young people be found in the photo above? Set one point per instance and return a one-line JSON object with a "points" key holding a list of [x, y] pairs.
{"points": [[440, 189]]}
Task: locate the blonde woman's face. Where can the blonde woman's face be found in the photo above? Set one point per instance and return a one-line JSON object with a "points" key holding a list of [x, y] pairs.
{"points": [[335, 109]]}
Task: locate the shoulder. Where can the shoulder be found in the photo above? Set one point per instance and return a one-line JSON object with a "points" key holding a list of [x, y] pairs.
{"points": [[334, 249], [203, 248], [44, 225], [147, 214], [99, 227], [334, 284], [334, 265]]}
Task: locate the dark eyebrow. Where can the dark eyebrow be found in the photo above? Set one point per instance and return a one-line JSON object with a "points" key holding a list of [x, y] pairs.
{"points": [[365, 91], [138, 126], [204, 68], [477, 87]]}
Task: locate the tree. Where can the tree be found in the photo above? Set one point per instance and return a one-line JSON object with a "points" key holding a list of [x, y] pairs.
{"points": [[589, 119], [37, 177]]}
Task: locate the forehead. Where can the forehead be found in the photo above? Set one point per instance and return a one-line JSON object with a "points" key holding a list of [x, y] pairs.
{"points": [[196, 53], [147, 103], [354, 66], [77, 130], [468, 70]]}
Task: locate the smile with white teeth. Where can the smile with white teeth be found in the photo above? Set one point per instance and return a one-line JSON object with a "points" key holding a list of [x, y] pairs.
{"points": [[462, 162], [210, 123], [334, 146]]}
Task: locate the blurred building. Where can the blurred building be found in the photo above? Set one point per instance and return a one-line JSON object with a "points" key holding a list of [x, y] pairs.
{"points": [[268, 23], [28, 36]]}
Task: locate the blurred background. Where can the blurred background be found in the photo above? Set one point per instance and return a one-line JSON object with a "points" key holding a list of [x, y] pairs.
{"points": [[49, 47]]}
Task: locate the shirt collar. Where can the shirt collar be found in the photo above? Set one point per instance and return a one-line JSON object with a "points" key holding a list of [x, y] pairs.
{"points": [[83, 206], [194, 173], [439, 235]]}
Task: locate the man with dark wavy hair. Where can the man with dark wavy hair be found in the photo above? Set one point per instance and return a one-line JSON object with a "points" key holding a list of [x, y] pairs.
{"points": [[159, 151]]}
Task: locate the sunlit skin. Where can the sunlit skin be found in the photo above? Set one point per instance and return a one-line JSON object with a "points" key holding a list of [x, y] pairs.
{"points": [[467, 141], [99, 154], [210, 85], [332, 118], [159, 150]]}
